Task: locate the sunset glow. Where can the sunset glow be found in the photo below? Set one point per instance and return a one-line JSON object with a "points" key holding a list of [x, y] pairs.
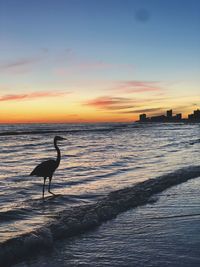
{"points": [[97, 61]]}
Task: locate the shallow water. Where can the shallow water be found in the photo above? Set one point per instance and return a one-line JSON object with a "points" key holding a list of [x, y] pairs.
{"points": [[96, 159], [165, 233]]}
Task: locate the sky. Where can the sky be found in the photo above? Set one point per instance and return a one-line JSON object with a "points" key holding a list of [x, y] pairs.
{"points": [[98, 60]]}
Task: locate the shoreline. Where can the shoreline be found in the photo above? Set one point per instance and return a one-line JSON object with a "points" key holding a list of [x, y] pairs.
{"points": [[78, 220]]}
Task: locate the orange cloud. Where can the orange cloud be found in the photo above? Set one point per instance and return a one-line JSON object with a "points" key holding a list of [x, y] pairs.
{"points": [[110, 103], [136, 111], [14, 97]]}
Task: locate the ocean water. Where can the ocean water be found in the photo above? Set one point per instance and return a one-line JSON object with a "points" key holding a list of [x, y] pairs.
{"points": [[96, 159], [165, 233]]}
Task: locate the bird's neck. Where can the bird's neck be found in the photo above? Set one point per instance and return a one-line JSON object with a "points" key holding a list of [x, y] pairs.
{"points": [[58, 154]]}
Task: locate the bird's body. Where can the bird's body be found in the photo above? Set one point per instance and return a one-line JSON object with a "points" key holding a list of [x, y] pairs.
{"points": [[45, 169], [48, 167]]}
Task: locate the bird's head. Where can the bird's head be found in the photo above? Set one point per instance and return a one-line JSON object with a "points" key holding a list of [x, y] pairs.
{"points": [[58, 138]]}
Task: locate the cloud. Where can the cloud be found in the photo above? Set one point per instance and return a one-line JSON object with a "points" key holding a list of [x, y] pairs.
{"points": [[143, 110], [18, 66], [33, 95], [110, 103], [17, 63], [73, 115], [23, 64], [138, 86]]}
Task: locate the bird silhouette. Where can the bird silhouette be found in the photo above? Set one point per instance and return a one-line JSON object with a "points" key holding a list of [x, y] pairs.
{"points": [[47, 168]]}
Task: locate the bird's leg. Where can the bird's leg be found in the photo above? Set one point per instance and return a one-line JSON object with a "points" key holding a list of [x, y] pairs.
{"points": [[44, 187], [50, 186]]}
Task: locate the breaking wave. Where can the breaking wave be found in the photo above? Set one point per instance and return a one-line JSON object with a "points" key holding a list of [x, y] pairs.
{"points": [[78, 219]]}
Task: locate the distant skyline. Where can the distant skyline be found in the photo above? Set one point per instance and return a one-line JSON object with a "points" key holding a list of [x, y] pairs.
{"points": [[193, 117], [98, 60]]}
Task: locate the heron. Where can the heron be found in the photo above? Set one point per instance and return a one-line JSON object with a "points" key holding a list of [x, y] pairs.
{"points": [[47, 168]]}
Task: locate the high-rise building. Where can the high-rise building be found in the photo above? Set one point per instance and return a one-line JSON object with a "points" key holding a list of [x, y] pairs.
{"points": [[178, 116], [190, 116], [143, 117], [195, 117], [197, 113], [169, 118], [169, 113]]}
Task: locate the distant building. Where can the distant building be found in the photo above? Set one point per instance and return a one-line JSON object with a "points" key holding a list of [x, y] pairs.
{"points": [[158, 118], [178, 116], [143, 117], [197, 114], [169, 113], [190, 116], [195, 117]]}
